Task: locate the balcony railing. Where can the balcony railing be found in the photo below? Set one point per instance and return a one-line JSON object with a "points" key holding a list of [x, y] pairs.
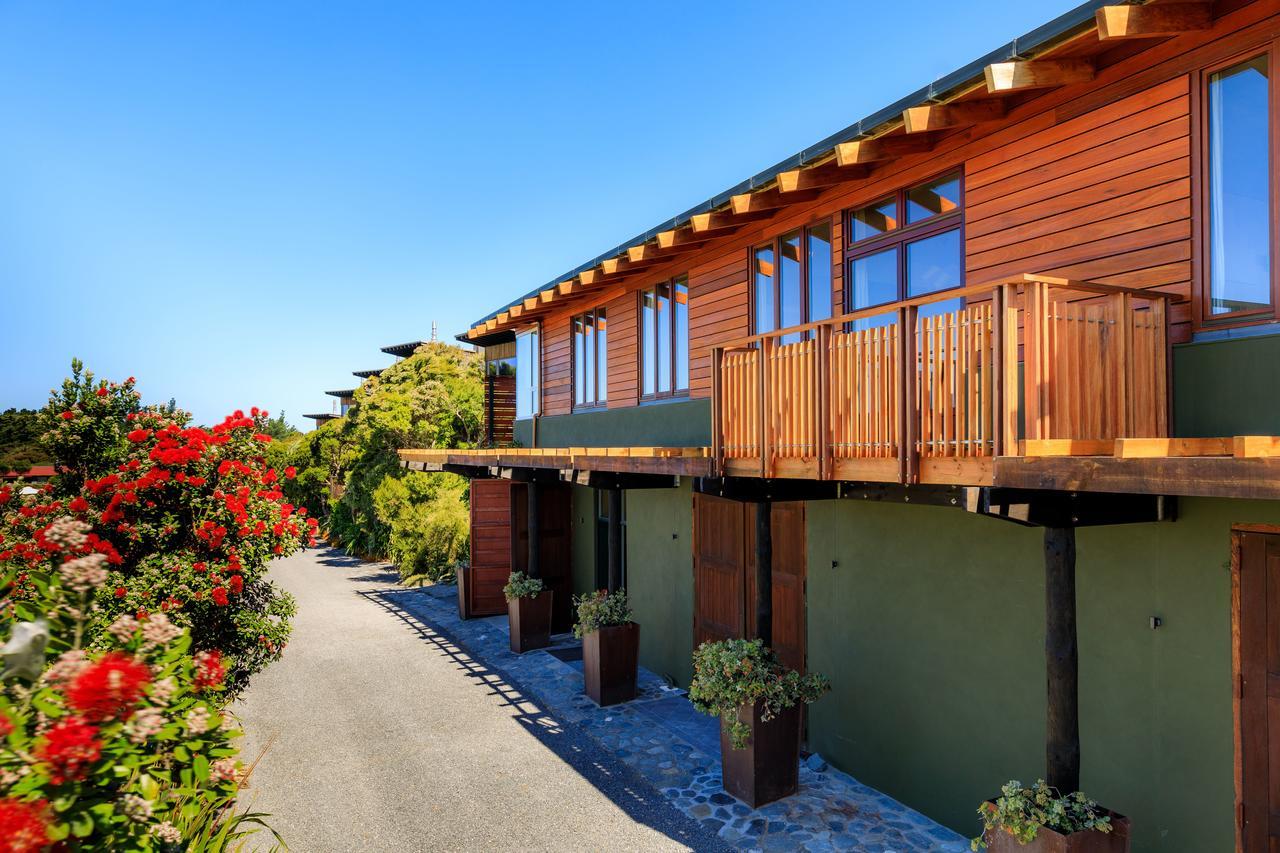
{"points": [[918, 391]]}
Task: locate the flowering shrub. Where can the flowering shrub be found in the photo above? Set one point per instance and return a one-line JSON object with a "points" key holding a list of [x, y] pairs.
{"points": [[600, 609], [520, 585], [1022, 811], [730, 673]]}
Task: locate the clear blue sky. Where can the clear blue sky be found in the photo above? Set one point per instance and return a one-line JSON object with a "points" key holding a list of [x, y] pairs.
{"points": [[239, 203]]}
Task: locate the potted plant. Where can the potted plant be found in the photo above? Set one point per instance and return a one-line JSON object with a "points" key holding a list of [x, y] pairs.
{"points": [[610, 646], [1039, 818], [758, 701], [528, 613]]}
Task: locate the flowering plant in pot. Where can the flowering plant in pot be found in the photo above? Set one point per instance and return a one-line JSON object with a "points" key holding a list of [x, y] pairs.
{"points": [[1040, 818], [610, 646], [528, 612], [758, 701]]}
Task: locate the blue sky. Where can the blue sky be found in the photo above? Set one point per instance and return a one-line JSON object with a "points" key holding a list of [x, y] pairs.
{"points": [[239, 203]]}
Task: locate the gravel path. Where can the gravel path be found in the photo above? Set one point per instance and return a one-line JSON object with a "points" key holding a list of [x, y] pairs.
{"points": [[380, 739]]}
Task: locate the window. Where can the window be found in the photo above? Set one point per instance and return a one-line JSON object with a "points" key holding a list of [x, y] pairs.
{"points": [[795, 288], [590, 359], [906, 245], [528, 396], [602, 538], [1238, 269], [664, 339]]}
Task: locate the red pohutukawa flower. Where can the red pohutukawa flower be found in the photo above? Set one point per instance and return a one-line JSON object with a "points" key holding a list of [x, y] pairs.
{"points": [[68, 749], [290, 472], [6, 725], [66, 416], [209, 671], [138, 435], [22, 826], [219, 596], [110, 687]]}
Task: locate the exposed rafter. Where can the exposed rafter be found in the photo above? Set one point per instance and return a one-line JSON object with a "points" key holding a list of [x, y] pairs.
{"points": [[884, 148], [1037, 74], [927, 117], [623, 265], [770, 199], [718, 220], [1151, 21], [679, 238], [818, 177]]}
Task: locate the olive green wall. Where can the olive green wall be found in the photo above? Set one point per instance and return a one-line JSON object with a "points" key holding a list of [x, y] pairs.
{"points": [[683, 424], [660, 577], [934, 646], [584, 542], [1227, 387]]}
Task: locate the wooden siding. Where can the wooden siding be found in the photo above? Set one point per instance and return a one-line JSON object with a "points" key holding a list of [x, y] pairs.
{"points": [[1090, 181]]}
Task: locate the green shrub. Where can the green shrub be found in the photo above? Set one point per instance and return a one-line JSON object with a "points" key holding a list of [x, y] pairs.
{"points": [[1022, 811], [520, 585], [601, 609]]}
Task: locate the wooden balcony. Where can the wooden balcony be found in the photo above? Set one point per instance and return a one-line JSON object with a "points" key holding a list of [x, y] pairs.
{"points": [[921, 392]]}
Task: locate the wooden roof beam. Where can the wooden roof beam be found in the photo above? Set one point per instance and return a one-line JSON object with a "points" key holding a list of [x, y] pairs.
{"points": [[883, 148], [531, 303], [1019, 76], [927, 117], [547, 295], [770, 199], [567, 287], [623, 265], [680, 239], [1162, 19], [719, 220], [587, 277], [818, 177]]}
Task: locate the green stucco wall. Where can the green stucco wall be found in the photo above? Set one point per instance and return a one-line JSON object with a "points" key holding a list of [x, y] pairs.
{"points": [[682, 424], [584, 542], [1227, 387], [931, 629], [660, 577]]}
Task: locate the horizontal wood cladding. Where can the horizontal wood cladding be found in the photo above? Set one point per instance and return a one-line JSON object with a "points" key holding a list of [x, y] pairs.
{"points": [[1089, 181]]}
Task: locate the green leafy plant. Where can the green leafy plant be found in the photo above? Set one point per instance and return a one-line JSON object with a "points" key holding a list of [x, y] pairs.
{"points": [[730, 673], [601, 609], [1022, 811], [520, 585]]}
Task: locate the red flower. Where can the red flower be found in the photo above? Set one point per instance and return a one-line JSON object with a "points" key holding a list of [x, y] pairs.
{"points": [[109, 687], [6, 725], [209, 671], [236, 583], [138, 435], [219, 596], [22, 826], [78, 505], [121, 592], [66, 416], [102, 392], [68, 749], [290, 472]]}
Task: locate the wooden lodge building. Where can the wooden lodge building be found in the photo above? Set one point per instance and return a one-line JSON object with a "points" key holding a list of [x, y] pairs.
{"points": [[1032, 303]]}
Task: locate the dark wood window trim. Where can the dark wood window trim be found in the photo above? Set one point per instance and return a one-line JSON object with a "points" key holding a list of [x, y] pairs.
{"points": [[597, 396], [672, 354], [901, 236], [776, 245], [1202, 319]]}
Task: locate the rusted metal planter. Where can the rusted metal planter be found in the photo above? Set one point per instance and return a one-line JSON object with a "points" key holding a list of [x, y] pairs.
{"points": [[768, 768], [1050, 841], [609, 660], [529, 622]]}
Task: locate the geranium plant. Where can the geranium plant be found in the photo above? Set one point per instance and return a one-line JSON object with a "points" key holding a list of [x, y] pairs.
{"points": [[601, 609], [1021, 812], [520, 585], [728, 674]]}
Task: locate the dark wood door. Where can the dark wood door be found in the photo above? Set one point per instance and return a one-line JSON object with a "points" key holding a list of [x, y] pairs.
{"points": [[724, 574], [1258, 608], [555, 555], [491, 547]]}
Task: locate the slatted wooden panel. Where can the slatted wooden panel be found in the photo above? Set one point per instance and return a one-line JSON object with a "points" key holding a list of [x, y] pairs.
{"points": [[624, 372], [956, 383], [866, 379], [492, 541], [740, 404], [719, 560], [557, 374], [499, 409], [787, 524], [792, 408]]}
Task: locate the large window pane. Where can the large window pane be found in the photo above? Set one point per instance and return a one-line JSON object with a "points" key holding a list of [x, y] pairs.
{"points": [[873, 279], [790, 306], [933, 263], [664, 338], [602, 358], [649, 364], [1239, 189], [527, 352], [680, 300], [819, 272], [934, 198], [763, 284], [873, 220], [579, 362], [588, 358]]}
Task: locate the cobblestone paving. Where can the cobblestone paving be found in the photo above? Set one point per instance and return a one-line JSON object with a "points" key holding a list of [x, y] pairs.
{"points": [[677, 750]]}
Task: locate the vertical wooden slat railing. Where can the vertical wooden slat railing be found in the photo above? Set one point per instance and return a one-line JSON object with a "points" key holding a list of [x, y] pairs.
{"points": [[886, 395]]}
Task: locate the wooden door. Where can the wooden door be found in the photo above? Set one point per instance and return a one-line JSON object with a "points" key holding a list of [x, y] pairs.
{"points": [[491, 547], [1257, 594], [724, 574], [555, 555]]}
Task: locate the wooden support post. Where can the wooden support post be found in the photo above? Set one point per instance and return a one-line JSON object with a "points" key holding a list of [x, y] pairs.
{"points": [[531, 525], [764, 572], [1062, 661], [615, 539]]}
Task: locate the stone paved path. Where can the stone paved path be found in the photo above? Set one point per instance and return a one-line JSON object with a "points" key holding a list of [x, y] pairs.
{"points": [[383, 734]]}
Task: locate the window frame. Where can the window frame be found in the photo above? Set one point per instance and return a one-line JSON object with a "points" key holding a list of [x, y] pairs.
{"points": [[601, 398], [536, 358], [673, 349], [775, 243], [1202, 317], [901, 237]]}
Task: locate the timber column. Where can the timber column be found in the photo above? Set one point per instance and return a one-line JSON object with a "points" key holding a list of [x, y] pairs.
{"points": [[1062, 660], [531, 497], [764, 572]]}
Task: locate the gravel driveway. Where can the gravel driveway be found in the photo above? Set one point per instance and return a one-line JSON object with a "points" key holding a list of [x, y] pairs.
{"points": [[379, 740]]}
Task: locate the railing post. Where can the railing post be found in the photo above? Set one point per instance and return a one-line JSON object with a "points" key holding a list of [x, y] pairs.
{"points": [[1125, 411], [1033, 344], [766, 398], [822, 399], [717, 411], [909, 403], [997, 372]]}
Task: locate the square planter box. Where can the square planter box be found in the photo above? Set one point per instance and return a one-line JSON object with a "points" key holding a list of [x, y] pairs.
{"points": [[529, 622], [609, 660], [1050, 841], [768, 768]]}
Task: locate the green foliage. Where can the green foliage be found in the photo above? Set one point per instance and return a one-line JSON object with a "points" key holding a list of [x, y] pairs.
{"points": [[426, 516], [20, 440], [520, 585], [278, 428], [83, 426], [730, 673], [600, 609], [1022, 811]]}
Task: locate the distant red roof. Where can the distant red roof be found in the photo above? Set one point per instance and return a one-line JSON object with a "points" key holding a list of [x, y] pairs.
{"points": [[35, 472]]}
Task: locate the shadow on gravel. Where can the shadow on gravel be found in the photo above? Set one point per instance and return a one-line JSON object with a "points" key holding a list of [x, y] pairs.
{"points": [[623, 786]]}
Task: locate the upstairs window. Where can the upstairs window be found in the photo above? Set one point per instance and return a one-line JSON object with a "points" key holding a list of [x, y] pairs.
{"points": [[528, 389], [590, 359], [906, 245], [791, 281], [1239, 193], [664, 339]]}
